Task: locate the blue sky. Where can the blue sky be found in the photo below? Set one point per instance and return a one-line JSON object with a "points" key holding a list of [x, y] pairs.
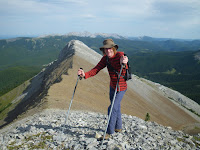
{"points": [[156, 18]]}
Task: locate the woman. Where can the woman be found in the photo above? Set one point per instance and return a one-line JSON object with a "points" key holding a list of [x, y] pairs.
{"points": [[115, 59]]}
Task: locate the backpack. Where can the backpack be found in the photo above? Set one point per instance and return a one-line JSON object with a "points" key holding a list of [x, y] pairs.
{"points": [[127, 76]]}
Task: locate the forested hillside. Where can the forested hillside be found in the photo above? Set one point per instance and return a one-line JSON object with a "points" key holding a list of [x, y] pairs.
{"points": [[177, 70], [14, 76], [168, 62]]}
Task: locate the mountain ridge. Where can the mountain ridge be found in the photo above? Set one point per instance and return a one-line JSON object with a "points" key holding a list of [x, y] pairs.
{"points": [[104, 35], [53, 87]]}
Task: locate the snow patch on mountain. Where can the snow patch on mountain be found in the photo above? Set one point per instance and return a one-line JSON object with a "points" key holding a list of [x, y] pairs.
{"points": [[87, 34], [91, 35]]}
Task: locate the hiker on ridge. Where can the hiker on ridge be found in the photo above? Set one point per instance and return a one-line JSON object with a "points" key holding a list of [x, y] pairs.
{"points": [[115, 59]]}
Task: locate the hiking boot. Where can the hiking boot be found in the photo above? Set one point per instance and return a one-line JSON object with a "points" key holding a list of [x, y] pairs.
{"points": [[118, 130], [107, 136]]}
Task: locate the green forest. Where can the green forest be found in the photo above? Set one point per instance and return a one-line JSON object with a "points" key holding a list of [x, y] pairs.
{"points": [[176, 70], [14, 76], [170, 62]]}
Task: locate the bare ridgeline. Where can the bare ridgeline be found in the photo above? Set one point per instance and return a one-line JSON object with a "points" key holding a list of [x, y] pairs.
{"points": [[45, 101]]}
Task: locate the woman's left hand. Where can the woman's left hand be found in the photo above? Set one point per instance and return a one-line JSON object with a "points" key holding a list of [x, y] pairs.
{"points": [[123, 59]]}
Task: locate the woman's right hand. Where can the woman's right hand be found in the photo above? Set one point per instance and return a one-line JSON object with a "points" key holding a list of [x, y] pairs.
{"points": [[81, 73]]}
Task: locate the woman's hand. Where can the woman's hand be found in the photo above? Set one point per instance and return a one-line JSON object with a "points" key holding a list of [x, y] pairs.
{"points": [[81, 73], [124, 60]]}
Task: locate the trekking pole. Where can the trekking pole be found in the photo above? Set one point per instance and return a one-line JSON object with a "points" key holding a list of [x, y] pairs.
{"points": [[113, 101], [67, 115]]}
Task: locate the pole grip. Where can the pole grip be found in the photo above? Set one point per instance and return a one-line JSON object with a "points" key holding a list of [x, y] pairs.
{"points": [[123, 63], [79, 75]]}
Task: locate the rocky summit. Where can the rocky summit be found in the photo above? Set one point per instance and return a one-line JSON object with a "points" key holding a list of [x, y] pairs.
{"points": [[47, 130]]}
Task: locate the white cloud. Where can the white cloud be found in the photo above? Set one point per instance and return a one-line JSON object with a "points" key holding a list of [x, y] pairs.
{"points": [[34, 7], [22, 7], [117, 16], [88, 16]]}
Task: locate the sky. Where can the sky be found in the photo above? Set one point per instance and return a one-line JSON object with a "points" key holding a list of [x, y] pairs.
{"points": [[155, 18]]}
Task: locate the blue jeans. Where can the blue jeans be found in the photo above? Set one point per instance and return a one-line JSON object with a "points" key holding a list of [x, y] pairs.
{"points": [[115, 118]]}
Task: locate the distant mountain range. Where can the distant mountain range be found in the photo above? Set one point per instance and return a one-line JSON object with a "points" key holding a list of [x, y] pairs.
{"points": [[130, 44], [102, 35]]}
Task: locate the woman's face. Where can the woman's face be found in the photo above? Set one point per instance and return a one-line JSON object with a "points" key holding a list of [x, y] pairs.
{"points": [[109, 52]]}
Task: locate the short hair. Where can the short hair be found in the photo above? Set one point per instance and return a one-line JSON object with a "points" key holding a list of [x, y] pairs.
{"points": [[113, 48]]}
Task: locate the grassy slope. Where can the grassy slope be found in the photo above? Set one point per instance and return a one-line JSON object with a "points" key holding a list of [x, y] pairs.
{"points": [[6, 103]]}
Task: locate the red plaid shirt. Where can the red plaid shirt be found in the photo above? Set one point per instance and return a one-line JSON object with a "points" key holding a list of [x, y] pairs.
{"points": [[115, 63]]}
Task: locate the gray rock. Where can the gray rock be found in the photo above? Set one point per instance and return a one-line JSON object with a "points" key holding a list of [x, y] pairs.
{"points": [[90, 140], [92, 145], [81, 131]]}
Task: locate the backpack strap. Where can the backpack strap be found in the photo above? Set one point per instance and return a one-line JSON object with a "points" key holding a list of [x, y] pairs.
{"points": [[111, 67]]}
